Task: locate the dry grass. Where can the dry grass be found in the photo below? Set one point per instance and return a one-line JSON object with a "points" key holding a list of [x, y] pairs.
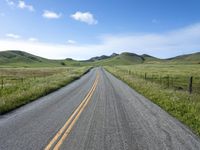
{"points": [[20, 86]]}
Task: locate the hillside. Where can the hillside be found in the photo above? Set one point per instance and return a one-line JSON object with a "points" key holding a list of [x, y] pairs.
{"points": [[151, 59], [189, 58], [131, 58], [125, 59], [15, 58], [101, 57], [23, 59]]}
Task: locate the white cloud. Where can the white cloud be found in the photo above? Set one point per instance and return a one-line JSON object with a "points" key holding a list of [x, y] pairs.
{"points": [[32, 39], [14, 36], [51, 15], [71, 42], [23, 5], [86, 17], [184, 40], [10, 2]]}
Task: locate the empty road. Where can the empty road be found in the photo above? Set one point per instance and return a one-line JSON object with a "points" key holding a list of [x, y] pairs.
{"points": [[96, 112]]}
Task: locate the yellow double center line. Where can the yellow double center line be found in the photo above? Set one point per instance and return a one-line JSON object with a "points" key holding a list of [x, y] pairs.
{"points": [[62, 134]]}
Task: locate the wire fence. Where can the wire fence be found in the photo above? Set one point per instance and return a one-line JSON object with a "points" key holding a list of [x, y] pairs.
{"points": [[10, 81], [176, 82]]}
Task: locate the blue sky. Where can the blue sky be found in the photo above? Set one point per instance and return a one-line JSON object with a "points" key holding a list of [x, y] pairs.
{"points": [[85, 28]]}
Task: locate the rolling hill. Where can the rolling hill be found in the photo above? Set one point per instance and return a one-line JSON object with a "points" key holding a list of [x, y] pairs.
{"points": [[189, 58], [125, 59], [131, 59], [121, 59], [14, 58]]}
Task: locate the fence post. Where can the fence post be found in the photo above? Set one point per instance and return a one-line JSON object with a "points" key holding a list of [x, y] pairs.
{"points": [[190, 84], [168, 81], [2, 83], [145, 76], [160, 79]]}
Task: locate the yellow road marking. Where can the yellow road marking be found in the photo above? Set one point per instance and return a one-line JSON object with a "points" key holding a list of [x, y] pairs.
{"points": [[64, 131]]}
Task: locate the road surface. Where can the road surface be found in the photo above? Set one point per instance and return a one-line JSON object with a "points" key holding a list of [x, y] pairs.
{"points": [[96, 112]]}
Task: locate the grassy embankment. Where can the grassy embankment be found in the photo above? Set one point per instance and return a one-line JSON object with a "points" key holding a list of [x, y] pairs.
{"points": [[19, 86], [178, 102]]}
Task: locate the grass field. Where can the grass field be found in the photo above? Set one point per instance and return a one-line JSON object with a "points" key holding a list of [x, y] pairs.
{"points": [[172, 76], [19, 86], [179, 103]]}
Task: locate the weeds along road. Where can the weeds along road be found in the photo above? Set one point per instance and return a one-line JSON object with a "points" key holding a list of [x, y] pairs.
{"points": [[96, 112]]}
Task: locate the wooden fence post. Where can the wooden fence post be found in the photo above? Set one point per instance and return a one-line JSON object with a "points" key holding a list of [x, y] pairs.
{"points": [[145, 76], [160, 80], [168, 81], [2, 83], [190, 84]]}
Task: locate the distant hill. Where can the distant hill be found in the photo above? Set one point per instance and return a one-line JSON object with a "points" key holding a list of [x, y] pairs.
{"points": [[189, 58], [150, 59], [15, 58], [18, 56], [131, 58], [101, 57], [124, 59]]}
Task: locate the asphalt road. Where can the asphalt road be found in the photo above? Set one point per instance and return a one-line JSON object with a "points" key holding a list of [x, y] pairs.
{"points": [[96, 112]]}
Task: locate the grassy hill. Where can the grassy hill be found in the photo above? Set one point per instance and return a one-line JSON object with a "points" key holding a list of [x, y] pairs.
{"points": [[125, 59], [122, 59], [151, 59], [189, 58], [22, 59], [131, 58], [15, 58]]}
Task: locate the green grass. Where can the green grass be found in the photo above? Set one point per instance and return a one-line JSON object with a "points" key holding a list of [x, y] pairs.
{"points": [[19, 86], [180, 104], [169, 75]]}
